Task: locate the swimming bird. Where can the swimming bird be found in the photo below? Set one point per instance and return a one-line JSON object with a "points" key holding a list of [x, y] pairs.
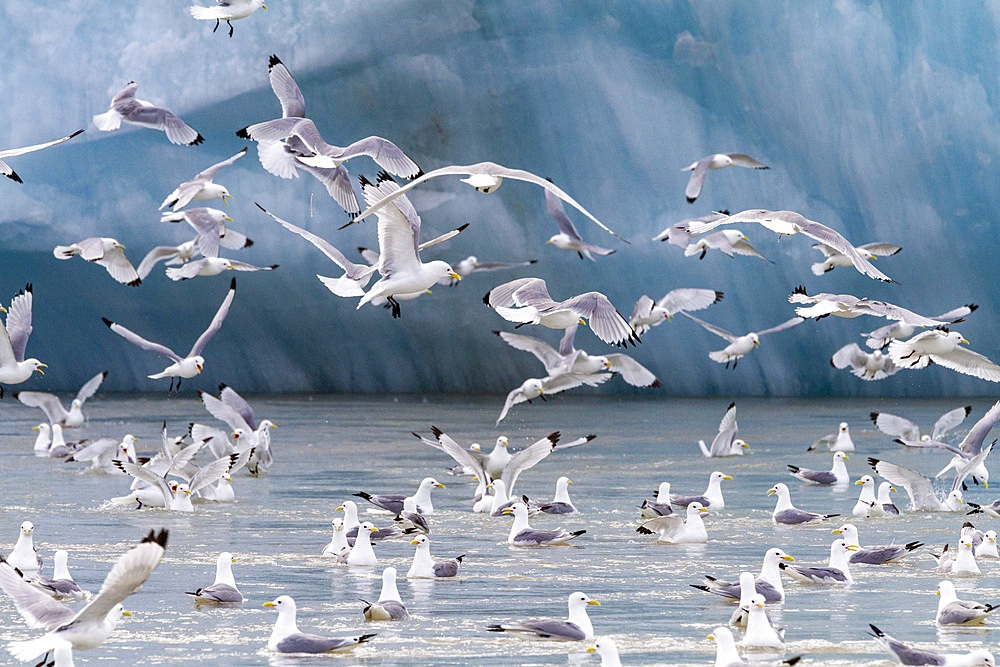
{"points": [[183, 367], [24, 556], [43, 441], [892, 553], [941, 346], [988, 547], [6, 169], [527, 301], [919, 488], [648, 314], [882, 336], [952, 611], [849, 306], [561, 504], [883, 500], [551, 384], [125, 106], [223, 590], [836, 572], [748, 590], [409, 520], [61, 586], [785, 512], [106, 252], [725, 442], [91, 625], [202, 187], [393, 502], [362, 553], [210, 223], [14, 368], [576, 627], [338, 542], [660, 505], [523, 535], [426, 567], [726, 654], [389, 606], [700, 169], [787, 223], [835, 442], [834, 258], [964, 562], [712, 497], [865, 506], [908, 655], [729, 241], [768, 582], [867, 366], [759, 632], [486, 178], [352, 523], [608, 652], [739, 346], [568, 238], [676, 528], [53, 408], [287, 638], [226, 10], [836, 475]]}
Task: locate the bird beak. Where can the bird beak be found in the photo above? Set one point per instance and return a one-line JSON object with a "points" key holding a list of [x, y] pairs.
{"points": [[199, 367], [119, 246], [274, 426], [40, 367], [589, 649], [770, 492], [228, 219], [234, 559], [187, 491], [593, 602], [986, 484], [224, 201], [339, 509], [710, 637], [455, 275], [938, 592], [726, 477], [959, 500], [506, 510], [583, 321], [440, 485], [851, 547], [846, 457], [892, 488], [702, 510], [755, 343], [788, 558], [548, 242], [373, 529], [745, 445], [836, 530], [267, 604], [263, 6], [569, 481], [964, 341], [126, 613], [760, 605], [414, 542], [859, 482], [235, 436], [34, 428]]}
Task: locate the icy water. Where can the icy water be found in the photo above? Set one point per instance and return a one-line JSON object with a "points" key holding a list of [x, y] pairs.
{"points": [[327, 448]]}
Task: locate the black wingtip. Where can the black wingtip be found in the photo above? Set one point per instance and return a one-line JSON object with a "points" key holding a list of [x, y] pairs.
{"points": [[78, 132], [873, 416], [462, 228], [486, 298], [436, 431], [363, 638], [160, 537], [107, 323], [578, 533], [700, 587], [690, 201], [242, 133], [232, 284], [799, 289], [14, 177], [199, 140], [642, 530], [554, 437], [656, 383], [363, 180], [382, 176], [878, 633], [272, 61]]}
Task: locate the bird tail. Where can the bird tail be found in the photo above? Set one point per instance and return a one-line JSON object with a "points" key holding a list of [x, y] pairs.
{"points": [[207, 13], [343, 286], [718, 356], [793, 469], [32, 648], [63, 251], [108, 121]]}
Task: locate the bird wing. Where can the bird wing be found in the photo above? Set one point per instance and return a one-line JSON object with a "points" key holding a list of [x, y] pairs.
{"points": [[697, 179], [126, 577], [688, 298], [461, 455], [49, 403], [238, 403], [643, 308], [894, 312], [897, 426], [12, 152], [566, 343], [216, 323], [148, 476], [18, 323], [243, 266], [491, 169], [956, 313], [353, 271], [827, 250], [513, 398], [918, 487], [555, 209], [574, 443], [953, 418], [564, 381], [36, 608], [741, 160], [337, 183], [527, 458], [667, 525], [632, 371], [781, 327], [499, 266], [385, 153], [293, 104], [718, 331], [728, 428], [155, 255], [520, 292], [186, 270], [209, 174], [136, 339], [178, 132], [119, 267], [224, 412], [605, 321], [966, 361], [970, 465], [210, 473], [90, 387], [828, 236], [542, 350], [398, 234], [972, 444], [849, 355], [880, 250]]}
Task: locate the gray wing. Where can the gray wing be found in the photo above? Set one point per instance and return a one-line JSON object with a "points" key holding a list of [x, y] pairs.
{"points": [[216, 323], [157, 254], [446, 568], [304, 643], [460, 454], [962, 611], [557, 508], [632, 371], [187, 270], [119, 267], [212, 472], [398, 227], [918, 487], [718, 331], [970, 465], [148, 476], [90, 387], [817, 476], [509, 294], [825, 235], [352, 270], [574, 443], [741, 160], [795, 516], [136, 339], [534, 537], [223, 411], [238, 403], [697, 179], [605, 321], [961, 311], [293, 104], [527, 458], [972, 444], [684, 501], [220, 593], [882, 250], [209, 174], [49, 403], [968, 362], [897, 426], [18, 323], [669, 524], [931, 444], [546, 627], [36, 608], [907, 655], [243, 266], [879, 555], [821, 574], [643, 307], [950, 420], [851, 355], [781, 327], [676, 234], [385, 153], [542, 350], [728, 428], [688, 298], [178, 132], [500, 266], [555, 209], [338, 185]]}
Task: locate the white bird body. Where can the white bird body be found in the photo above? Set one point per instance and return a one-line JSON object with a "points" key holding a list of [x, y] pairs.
{"points": [[338, 541], [700, 168], [362, 554], [23, 555], [760, 633], [125, 106], [14, 368], [675, 529], [942, 347], [865, 507], [287, 638]]}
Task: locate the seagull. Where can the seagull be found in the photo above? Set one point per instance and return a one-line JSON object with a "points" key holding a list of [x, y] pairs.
{"points": [[892, 553], [759, 631], [352, 524], [726, 654], [882, 336], [700, 169], [223, 590], [576, 627], [837, 571], [907, 655], [941, 346], [226, 10], [527, 301], [173, 255], [988, 547], [678, 235], [568, 238], [873, 366], [660, 505], [835, 442], [568, 359], [90, 626], [24, 556], [14, 368], [393, 502], [789, 223], [523, 535], [963, 563], [426, 567], [411, 521], [201, 187], [125, 106], [952, 611], [710, 499], [739, 346], [899, 427], [101, 453], [729, 241], [361, 553], [43, 441], [866, 505], [179, 499], [919, 488], [836, 475], [210, 223], [61, 586], [608, 652], [486, 178], [648, 314], [835, 258], [183, 367], [561, 504], [676, 528], [286, 637], [768, 582], [389, 606], [725, 442], [212, 266], [786, 513], [339, 540], [553, 384], [884, 501], [106, 252], [471, 264], [5, 168], [53, 408], [848, 306]]}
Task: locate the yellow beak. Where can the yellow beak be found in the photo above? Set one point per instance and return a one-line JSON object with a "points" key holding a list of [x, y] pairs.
{"points": [[727, 477], [836, 530], [789, 558], [590, 649], [126, 613], [859, 482], [440, 485], [455, 275], [267, 604], [710, 637], [583, 321], [770, 492], [414, 542], [593, 602]]}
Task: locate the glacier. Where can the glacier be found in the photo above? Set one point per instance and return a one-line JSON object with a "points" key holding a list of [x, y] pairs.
{"points": [[878, 119]]}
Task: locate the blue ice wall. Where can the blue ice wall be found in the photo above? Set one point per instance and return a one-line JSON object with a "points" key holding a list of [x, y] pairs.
{"points": [[877, 119]]}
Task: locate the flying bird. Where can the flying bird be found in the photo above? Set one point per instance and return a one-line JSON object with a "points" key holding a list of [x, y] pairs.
{"points": [[648, 313], [867, 366], [6, 169], [882, 336], [125, 106], [729, 241], [848, 306], [106, 252], [540, 387], [226, 10], [173, 255], [941, 346], [212, 266], [835, 258], [568, 238], [201, 187], [739, 346], [14, 368], [700, 169], [210, 223], [53, 408]]}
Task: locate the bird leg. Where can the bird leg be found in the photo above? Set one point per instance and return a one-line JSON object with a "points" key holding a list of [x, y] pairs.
{"points": [[230, 29], [171, 387], [702, 256], [735, 361], [580, 254], [216, 25], [395, 307], [542, 396]]}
